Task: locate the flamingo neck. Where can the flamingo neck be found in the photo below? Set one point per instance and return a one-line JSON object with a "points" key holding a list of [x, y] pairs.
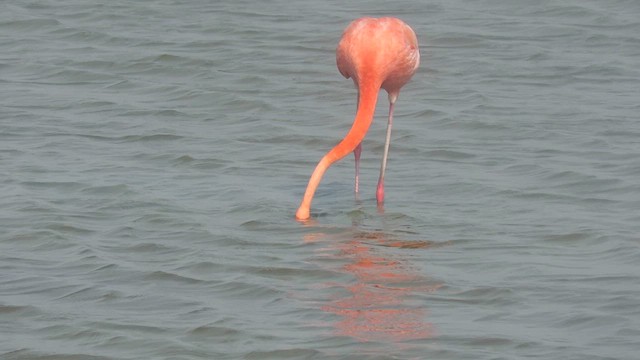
{"points": [[367, 99]]}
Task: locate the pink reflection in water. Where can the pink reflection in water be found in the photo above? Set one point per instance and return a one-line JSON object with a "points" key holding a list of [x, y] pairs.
{"points": [[377, 305]]}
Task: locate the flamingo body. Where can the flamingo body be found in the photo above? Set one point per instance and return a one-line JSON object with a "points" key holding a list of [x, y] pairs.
{"points": [[374, 53]]}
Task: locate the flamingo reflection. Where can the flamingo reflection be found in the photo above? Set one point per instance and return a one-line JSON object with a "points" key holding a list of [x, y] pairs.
{"points": [[377, 305]]}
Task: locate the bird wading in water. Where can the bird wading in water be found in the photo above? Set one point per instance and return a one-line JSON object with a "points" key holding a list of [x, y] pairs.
{"points": [[375, 53]]}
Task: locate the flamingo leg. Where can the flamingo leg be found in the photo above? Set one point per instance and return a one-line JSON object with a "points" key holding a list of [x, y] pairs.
{"points": [[383, 166], [356, 154]]}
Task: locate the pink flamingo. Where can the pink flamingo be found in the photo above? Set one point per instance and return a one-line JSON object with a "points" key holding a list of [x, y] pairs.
{"points": [[375, 53]]}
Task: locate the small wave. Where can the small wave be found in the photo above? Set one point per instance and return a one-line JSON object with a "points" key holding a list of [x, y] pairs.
{"points": [[150, 138], [166, 276]]}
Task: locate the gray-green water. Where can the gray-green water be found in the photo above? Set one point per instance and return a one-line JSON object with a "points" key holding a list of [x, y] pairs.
{"points": [[153, 153]]}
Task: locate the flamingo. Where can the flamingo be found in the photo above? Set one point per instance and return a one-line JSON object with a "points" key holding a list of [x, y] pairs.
{"points": [[375, 53]]}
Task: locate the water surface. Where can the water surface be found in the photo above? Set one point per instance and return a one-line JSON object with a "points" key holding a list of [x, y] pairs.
{"points": [[153, 153]]}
